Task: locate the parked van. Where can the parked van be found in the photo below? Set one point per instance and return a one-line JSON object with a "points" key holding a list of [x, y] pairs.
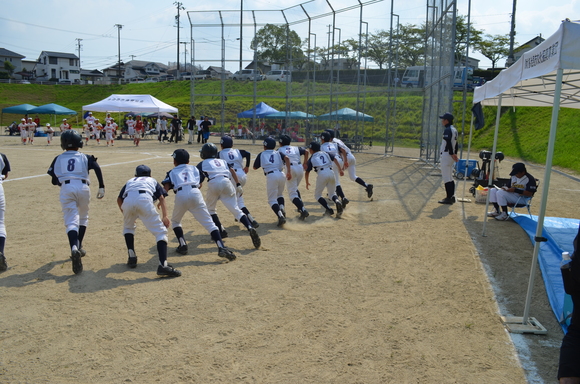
{"points": [[279, 75], [249, 74]]}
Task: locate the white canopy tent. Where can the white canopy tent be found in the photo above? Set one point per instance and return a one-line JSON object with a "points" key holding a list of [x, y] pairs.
{"points": [[130, 103], [548, 75]]}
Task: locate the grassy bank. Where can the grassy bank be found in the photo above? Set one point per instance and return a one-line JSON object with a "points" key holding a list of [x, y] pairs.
{"points": [[523, 132]]}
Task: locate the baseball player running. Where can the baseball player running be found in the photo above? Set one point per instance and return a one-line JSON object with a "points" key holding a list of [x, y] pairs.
{"points": [[49, 133], [31, 130], [219, 187], [332, 149], [97, 129], [23, 127], [137, 201], [184, 180], [273, 163], [350, 165], [70, 171], [65, 126], [88, 131], [139, 129], [131, 128], [110, 130], [235, 159], [297, 170], [4, 169], [321, 162]]}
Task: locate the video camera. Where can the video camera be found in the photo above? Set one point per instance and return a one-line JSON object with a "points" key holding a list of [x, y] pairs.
{"points": [[486, 155]]}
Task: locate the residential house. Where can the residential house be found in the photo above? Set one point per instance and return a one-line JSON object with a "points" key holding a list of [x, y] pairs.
{"points": [[14, 58], [519, 51], [92, 76], [58, 66], [113, 73], [144, 69], [28, 71]]}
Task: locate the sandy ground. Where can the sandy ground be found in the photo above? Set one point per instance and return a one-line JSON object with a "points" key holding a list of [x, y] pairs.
{"points": [[396, 291]]}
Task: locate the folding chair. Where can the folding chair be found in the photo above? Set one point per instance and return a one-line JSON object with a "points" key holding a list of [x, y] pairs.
{"points": [[523, 202]]}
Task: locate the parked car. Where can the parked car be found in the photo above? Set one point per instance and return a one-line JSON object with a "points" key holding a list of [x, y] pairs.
{"points": [[64, 81], [248, 74], [279, 75]]}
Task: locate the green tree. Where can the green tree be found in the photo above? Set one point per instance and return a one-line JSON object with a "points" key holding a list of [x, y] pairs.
{"points": [[377, 48], [461, 39], [494, 47], [411, 44], [278, 44], [9, 67], [347, 50]]}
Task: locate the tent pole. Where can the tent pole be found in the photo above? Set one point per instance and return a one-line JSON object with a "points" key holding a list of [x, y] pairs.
{"points": [[545, 187], [492, 166], [467, 162]]}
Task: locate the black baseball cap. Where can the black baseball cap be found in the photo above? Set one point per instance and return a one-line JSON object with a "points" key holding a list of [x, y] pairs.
{"points": [[517, 168], [181, 156], [447, 116], [142, 170]]}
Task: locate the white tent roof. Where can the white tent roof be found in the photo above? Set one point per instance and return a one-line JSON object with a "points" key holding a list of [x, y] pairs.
{"points": [[530, 81], [130, 103]]}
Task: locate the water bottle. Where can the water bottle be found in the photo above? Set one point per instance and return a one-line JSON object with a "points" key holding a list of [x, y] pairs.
{"points": [[565, 264]]}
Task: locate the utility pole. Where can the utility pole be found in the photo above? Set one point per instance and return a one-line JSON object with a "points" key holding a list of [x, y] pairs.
{"points": [[241, 31], [79, 45], [510, 60], [184, 55], [133, 56], [119, 26], [180, 7]]}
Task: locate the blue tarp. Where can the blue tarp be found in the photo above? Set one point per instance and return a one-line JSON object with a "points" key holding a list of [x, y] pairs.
{"points": [[296, 115], [262, 110], [560, 233], [346, 114], [52, 109]]}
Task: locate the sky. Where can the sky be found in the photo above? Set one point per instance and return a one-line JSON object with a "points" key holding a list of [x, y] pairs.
{"points": [[149, 28]]}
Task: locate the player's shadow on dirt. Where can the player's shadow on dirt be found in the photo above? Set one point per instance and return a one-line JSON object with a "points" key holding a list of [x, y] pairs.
{"points": [[103, 279], [414, 186]]}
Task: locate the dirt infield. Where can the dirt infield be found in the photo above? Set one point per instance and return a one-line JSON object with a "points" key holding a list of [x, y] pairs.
{"points": [[393, 292]]}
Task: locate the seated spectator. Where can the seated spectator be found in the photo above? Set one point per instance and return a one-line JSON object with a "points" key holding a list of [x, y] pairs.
{"points": [[521, 183]]}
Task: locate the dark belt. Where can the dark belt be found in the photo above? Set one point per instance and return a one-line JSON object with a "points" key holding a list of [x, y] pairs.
{"points": [[293, 164], [180, 188], [142, 191], [319, 169], [267, 173], [68, 181], [208, 179]]}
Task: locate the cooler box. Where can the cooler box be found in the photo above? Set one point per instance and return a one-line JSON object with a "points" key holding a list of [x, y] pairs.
{"points": [[460, 168]]}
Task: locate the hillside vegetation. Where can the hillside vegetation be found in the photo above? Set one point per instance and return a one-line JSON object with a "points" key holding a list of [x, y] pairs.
{"points": [[523, 131]]}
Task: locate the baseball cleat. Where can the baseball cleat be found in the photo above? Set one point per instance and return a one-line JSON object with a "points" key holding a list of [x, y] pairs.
{"points": [[83, 252], [369, 190], [132, 262], [255, 238], [447, 200], [223, 234], [255, 224], [168, 270], [281, 221], [182, 249], [338, 209], [224, 252], [344, 202], [3, 264], [304, 214], [493, 214], [77, 264], [329, 212]]}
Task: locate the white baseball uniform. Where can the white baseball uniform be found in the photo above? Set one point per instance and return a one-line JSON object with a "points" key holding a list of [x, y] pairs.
{"points": [[294, 153], [219, 186], [332, 149], [237, 160], [272, 162], [322, 163], [70, 170], [131, 128], [184, 179], [23, 127], [49, 134], [139, 194], [4, 169]]}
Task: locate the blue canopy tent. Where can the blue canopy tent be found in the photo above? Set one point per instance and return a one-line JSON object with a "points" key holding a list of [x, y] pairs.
{"points": [[21, 109], [52, 109], [346, 114], [296, 115], [260, 110]]}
